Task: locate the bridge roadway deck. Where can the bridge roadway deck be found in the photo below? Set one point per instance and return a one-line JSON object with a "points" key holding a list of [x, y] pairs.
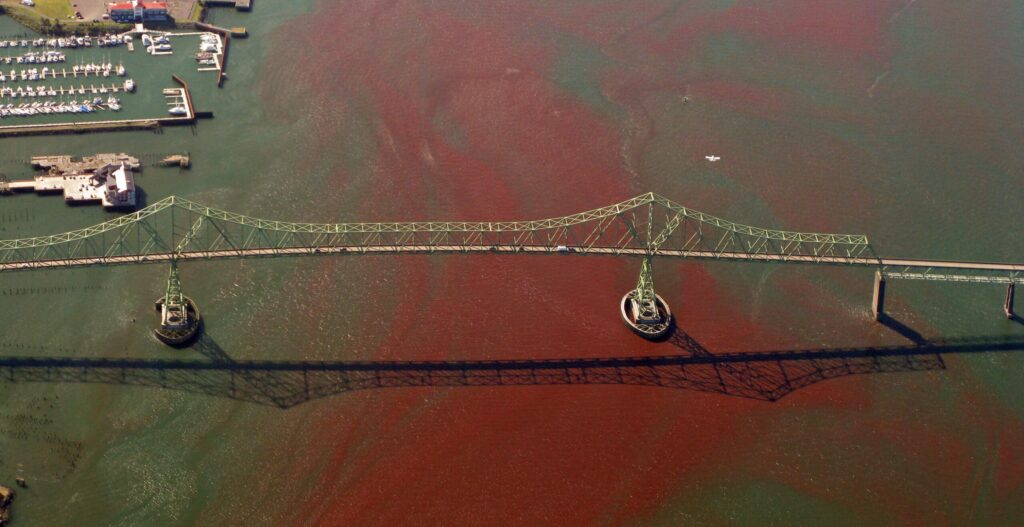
{"points": [[905, 268]]}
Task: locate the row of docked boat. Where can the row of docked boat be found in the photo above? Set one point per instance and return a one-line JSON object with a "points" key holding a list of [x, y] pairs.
{"points": [[59, 107], [210, 43], [158, 44], [44, 57], [103, 41], [53, 91], [206, 58], [84, 70], [210, 47]]}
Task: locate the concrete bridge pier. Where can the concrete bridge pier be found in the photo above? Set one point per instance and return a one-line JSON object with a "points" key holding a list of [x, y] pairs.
{"points": [[878, 300], [1008, 305], [179, 316], [643, 310]]}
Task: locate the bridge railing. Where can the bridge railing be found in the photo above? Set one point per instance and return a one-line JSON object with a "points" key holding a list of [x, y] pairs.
{"points": [[644, 224]]}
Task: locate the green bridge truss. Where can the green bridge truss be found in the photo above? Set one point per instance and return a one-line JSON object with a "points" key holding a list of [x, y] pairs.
{"points": [[649, 226]]}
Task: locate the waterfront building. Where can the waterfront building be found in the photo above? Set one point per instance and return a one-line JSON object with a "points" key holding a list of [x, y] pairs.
{"points": [[137, 11]]}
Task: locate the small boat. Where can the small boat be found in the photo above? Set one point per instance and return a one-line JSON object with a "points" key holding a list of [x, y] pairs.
{"points": [[129, 85], [120, 70], [113, 103], [178, 110]]}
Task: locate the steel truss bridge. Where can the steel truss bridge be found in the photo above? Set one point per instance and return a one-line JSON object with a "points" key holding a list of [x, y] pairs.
{"points": [[649, 226]]}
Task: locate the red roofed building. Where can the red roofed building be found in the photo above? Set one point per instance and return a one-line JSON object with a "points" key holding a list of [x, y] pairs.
{"points": [[137, 11]]}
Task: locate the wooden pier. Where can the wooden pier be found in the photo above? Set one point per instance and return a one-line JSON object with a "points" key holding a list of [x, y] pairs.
{"points": [[66, 164], [108, 185]]}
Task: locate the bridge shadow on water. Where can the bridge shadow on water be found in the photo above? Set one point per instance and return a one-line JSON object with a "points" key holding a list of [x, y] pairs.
{"points": [[767, 375]]}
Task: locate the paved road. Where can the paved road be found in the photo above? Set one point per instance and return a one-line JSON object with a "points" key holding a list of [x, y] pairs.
{"points": [[906, 268]]}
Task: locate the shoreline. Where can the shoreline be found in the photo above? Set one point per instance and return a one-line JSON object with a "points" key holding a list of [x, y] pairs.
{"points": [[36, 22]]}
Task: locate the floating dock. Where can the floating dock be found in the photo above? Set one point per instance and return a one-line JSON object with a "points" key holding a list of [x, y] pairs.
{"points": [[61, 90], [225, 35], [64, 73], [107, 126]]}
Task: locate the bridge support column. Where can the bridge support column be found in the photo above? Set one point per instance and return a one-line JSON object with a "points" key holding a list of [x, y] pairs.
{"points": [[642, 309], [1008, 306], [878, 300], [179, 316]]}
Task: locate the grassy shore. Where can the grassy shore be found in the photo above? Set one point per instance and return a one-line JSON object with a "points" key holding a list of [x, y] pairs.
{"points": [[56, 9], [39, 20], [51, 17]]}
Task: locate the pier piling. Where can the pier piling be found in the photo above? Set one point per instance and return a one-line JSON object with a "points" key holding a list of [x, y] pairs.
{"points": [[1008, 305], [878, 301]]}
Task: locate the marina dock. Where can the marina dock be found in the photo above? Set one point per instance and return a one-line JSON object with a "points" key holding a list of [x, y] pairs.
{"points": [[225, 35], [63, 90], [64, 73], [182, 95]]}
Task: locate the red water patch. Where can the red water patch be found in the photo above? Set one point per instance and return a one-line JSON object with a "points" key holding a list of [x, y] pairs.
{"points": [[857, 28], [764, 102], [584, 454], [463, 124]]}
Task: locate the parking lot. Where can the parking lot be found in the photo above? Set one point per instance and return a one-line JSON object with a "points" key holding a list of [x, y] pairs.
{"points": [[95, 9]]}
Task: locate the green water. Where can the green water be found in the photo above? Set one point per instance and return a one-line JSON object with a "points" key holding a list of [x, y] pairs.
{"points": [[927, 166]]}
